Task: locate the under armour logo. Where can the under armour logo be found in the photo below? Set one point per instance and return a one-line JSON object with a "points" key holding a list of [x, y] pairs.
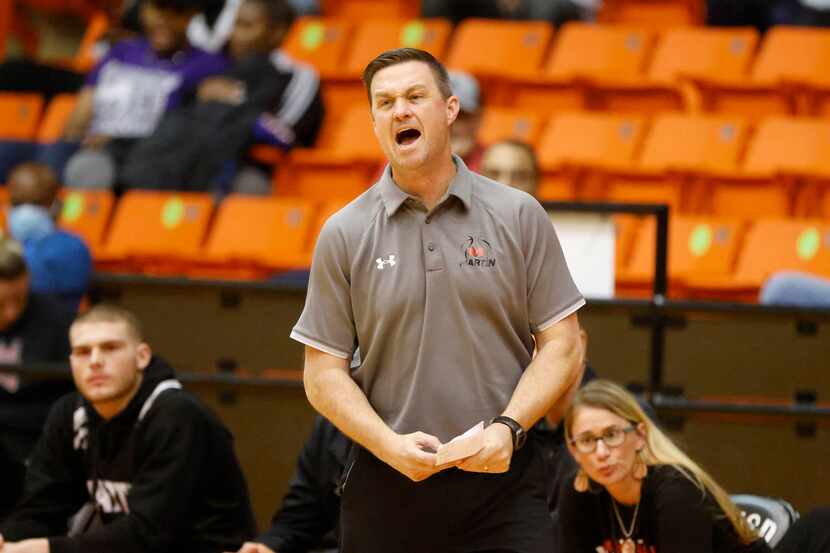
{"points": [[384, 262]]}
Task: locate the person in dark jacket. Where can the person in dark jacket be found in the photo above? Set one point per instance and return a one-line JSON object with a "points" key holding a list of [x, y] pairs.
{"points": [[264, 98], [147, 468]]}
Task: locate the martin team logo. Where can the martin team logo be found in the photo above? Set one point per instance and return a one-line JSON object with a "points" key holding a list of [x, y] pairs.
{"points": [[478, 252]]}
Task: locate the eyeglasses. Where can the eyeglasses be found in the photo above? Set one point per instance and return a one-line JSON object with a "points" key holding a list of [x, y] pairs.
{"points": [[611, 437]]}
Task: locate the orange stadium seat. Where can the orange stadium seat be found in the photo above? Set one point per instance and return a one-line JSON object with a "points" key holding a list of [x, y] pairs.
{"points": [[327, 209], [699, 247], [157, 232], [577, 149], [54, 119], [87, 213], [771, 245], [494, 50], [788, 76], [358, 10], [682, 58], [86, 56], [321, 42], [501, 124], [19, 115], [679, 152], [584, 56], [342, 169], [253, 237], [658, 13], [780, 156]]}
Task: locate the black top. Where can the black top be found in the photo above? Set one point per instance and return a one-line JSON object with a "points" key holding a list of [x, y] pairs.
{"points": [[675, 516], [40, 335], [167, 481], [310, 511]]}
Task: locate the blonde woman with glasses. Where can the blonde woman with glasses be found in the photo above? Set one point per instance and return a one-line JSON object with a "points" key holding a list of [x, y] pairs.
{"points": [[636, 491]]}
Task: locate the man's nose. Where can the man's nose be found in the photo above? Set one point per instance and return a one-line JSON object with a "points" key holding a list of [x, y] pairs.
{"points": [[401, 109], [95, 357]]}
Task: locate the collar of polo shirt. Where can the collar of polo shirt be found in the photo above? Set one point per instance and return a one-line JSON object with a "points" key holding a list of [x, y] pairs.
{"points": [[461, 187]]}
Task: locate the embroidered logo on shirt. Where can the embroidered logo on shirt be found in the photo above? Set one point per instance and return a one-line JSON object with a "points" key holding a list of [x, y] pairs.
{"points": [[110, 496], [391, 261], [478, 252]]}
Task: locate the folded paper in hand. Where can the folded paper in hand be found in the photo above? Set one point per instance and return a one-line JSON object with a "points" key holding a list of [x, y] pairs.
{"points": [[466, 445]]}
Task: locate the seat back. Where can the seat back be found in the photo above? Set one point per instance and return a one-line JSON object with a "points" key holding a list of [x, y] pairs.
{"points": [[593, 139], [678, 142], [790, 145], [87, 213], [793, 54], [378, 35], [320, 41], [772, 517], [54, 120], [159, 225], [488, 47], [502, 123], [773, 245], [600, 52], [270, 233], [703, 53], [19, 115]]}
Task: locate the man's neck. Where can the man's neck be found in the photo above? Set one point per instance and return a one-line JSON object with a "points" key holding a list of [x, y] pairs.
{"points": [[428, 184]]}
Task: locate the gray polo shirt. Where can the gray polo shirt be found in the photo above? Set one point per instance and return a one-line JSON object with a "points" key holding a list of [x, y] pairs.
{"points": [[443, 304]]}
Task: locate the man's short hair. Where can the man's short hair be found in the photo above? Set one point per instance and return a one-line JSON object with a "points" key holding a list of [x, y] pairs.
{"points": [[279, 12], [32, 183], [110, 313], [12, 263], [403, 55]]}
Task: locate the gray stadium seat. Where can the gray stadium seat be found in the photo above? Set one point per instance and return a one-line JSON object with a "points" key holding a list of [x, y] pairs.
{"points": [[770, 516]]}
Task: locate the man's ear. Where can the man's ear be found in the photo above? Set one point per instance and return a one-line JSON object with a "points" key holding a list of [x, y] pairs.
{"points": [[453, 107], [143, 355]]}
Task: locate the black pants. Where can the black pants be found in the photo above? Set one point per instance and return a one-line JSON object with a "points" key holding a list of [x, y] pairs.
{"points": [[451, 512]]}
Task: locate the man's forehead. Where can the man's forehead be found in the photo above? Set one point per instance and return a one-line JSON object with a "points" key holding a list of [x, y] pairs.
{"points": [[402, 76], [99, 331]]}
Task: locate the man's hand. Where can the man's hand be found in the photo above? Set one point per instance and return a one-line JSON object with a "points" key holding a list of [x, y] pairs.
{"points": [[251, 547], [495, 456], [95, 141], [222, 89], [413, 455], [39, 545]]}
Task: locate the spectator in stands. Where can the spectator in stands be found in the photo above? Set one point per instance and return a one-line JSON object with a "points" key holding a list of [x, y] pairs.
{"points": [[513, 163], [33, 329], [59, 262], [813, 13], [796, 289], [264, 98], [150, 468], [555, 11], [636, 490], [464, 134], [129, 90]]}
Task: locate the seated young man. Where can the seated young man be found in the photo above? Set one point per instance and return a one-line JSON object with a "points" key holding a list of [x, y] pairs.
{"points": [[155, 469], [265, 98], [129, 90]]}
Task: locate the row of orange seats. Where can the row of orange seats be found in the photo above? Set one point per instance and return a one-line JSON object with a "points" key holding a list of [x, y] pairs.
{"points": [[654, 12], [248, 237], [160, 233], [586, 66], [703, 164], [719, 258]]}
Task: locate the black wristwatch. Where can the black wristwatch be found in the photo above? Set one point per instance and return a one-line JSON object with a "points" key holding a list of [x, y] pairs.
{"points": [[516, 430]]}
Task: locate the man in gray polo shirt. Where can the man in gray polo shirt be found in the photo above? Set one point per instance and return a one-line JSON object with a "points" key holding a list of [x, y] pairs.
{"points": [[447, 281]]}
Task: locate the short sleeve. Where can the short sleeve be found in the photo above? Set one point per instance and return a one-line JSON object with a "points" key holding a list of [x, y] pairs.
{"points": [[112, 53], [551, 292], [327, 320]]}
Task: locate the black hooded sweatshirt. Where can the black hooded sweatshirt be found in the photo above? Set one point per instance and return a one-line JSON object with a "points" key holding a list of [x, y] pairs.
{"points": [[163, 473]]}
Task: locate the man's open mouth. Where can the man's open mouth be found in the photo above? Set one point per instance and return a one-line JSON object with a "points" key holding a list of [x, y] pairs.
{"points": [[406, 137]]}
